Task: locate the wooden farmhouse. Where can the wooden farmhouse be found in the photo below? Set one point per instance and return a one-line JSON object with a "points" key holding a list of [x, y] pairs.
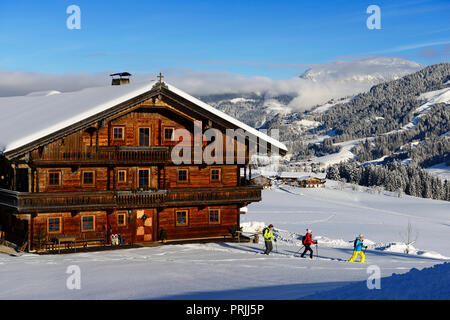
{"points": [[84, 167], [262, 181], [312, 183], [298, 179]]}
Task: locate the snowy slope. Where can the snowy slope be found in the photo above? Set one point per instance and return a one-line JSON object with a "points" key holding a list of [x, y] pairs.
{"points": [[441, 170], [371, 70], [240, 271]]}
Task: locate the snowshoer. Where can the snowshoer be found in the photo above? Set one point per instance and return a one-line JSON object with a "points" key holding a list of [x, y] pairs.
{"points": [[268, 237], [358, 245], [307, 242]]}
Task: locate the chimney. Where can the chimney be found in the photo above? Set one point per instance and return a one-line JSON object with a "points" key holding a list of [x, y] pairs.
{"points": [[120, 78]]}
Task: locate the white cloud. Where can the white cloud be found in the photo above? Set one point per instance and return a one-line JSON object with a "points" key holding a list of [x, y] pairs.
{"points": [[318, 85]]}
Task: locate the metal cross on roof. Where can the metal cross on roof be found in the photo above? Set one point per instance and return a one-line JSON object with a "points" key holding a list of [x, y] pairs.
{"points": [[160, 76]]}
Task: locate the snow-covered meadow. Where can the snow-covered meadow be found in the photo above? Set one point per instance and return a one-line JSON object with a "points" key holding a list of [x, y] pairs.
{"points": [[240, 271]]}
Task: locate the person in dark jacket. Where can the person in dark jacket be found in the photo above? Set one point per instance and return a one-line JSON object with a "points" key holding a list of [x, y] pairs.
{"points": [[268, 237], [307, 242]]}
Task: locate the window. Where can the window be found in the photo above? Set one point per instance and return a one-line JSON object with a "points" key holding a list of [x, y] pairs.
{"points": [[214, 216], [183, 175], [215, 175], [88, 178], [144, 137], [118, 133], [54, 225], [122, 176], [144, 178], [169, 134], [121, 221], [87, 223], [54, 178], [182, 218]]}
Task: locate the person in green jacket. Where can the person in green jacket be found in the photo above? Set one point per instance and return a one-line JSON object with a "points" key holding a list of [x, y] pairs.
{"points": [[268, 237]]}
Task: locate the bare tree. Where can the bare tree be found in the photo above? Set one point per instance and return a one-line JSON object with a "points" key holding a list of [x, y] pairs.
{"points": [[410, 237]]}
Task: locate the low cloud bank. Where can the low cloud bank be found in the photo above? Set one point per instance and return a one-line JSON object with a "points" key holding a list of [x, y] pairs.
{"points": [[316, 86]]}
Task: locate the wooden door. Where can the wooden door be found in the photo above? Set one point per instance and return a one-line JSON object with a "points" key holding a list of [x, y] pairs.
{"points": [[144, 230]]}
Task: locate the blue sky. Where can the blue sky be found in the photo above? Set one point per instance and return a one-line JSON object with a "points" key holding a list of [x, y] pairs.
{"points": [[276, 39]]}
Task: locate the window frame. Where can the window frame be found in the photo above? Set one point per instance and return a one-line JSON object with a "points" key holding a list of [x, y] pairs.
{"points": [[124, 214], [59, 172], [219, 216], [186, 211], [93, 223], [125, 176], [219, 180], [172, 139], [122, 129], [93, 178], [149, 136], [187, 176], [48, 225], [139, 178]]}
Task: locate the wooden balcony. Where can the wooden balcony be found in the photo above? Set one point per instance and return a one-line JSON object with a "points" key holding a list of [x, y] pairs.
{"points": [[107, 156], [119, 155], [213, 196], [106, 200]]}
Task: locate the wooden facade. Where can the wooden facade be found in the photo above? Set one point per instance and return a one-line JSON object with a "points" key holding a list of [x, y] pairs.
{"points": [[312, 183], [113, 174]]}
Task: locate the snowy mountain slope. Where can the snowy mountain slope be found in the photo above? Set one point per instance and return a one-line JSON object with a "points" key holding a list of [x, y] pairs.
{"points": [[317, 85], [370, 71], [240, 271], [410, 113], [441, 170], [343, 214]]}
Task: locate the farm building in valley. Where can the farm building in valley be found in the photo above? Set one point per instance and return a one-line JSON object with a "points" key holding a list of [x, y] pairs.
{"points": [[83, 167], [298, 179]]}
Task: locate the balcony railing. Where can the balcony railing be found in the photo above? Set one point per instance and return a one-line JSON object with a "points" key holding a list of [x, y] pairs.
{"points": [[104, 200], [108, 155], [208, 196], [119, 155]]}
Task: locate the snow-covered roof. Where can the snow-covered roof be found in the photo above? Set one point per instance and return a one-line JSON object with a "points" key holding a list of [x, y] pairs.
{"points": [[26, 119], [295, 175]]}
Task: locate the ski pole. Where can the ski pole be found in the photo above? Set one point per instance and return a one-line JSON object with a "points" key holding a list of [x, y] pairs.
{"points": [[317, 251], [299, 251]]}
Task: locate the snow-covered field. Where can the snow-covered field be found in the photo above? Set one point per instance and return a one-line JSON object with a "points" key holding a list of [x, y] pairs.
{"points": [[343, 155], [240, 271], [441, 170]]}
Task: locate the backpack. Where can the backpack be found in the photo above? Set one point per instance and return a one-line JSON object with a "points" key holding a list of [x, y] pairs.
{"points": [[304, 240], [264, 231], [356, 241]]}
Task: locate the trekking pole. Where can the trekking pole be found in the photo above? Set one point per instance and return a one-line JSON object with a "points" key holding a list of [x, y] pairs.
{"points": [[299, 251]]}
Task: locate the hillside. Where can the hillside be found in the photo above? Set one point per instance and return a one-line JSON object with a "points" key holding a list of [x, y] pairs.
{"points": [[405, 120], [317, 84]]}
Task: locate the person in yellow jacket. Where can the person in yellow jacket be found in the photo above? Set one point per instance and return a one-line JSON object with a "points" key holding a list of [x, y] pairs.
{"points": [[268, 237], [357, 251]]}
